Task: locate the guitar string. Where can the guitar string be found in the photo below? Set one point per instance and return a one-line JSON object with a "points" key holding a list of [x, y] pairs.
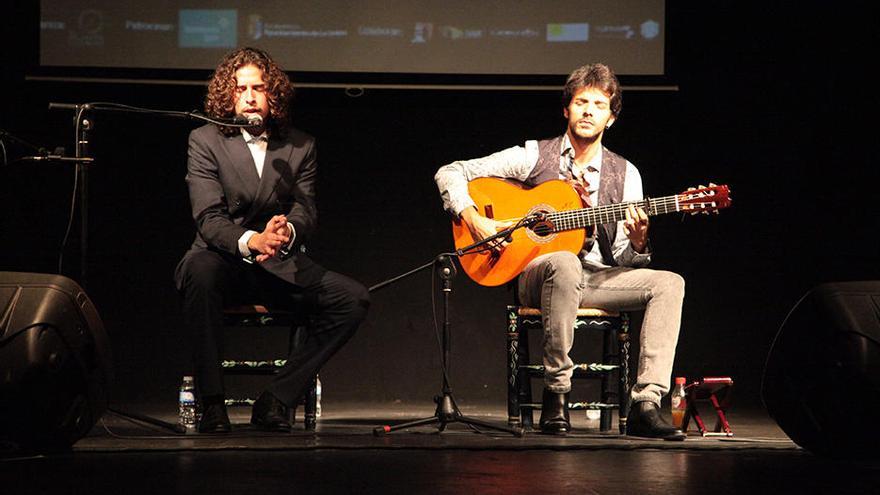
{"points": [[584, 218], [565, 220], [615, 209], [568, 222]]}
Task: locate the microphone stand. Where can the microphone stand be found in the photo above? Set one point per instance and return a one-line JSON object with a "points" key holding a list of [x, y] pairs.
{"points": [[447, 410], [83, 126], [80, 161]]}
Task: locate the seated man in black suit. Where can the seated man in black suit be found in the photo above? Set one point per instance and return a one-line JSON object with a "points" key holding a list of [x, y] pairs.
{"points": [[253, 200]]}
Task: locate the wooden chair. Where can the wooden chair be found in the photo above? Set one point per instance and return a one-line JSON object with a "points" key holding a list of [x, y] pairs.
{"points": [[257, 317], [615, 362]]}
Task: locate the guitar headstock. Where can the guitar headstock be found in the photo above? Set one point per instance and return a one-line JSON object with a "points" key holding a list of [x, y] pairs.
{"points": [[704, 199]]}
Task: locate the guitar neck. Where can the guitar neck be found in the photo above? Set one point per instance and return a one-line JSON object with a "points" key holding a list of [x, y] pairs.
{"points": [[585, 217]]}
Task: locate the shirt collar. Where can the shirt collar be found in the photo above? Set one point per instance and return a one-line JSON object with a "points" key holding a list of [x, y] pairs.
{"points": [[568, 152], [248, 138]]}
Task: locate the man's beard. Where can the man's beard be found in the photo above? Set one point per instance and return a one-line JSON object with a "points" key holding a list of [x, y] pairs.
{"points": [[584, 140]]}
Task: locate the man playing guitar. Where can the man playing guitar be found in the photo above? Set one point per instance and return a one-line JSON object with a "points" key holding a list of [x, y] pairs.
{"points": [[608, 272]]}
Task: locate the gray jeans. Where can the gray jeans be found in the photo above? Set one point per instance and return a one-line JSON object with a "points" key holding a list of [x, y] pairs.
{"points": [[558, 284]]}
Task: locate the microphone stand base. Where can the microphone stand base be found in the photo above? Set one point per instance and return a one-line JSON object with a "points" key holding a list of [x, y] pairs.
{"points": [[447, 412]]}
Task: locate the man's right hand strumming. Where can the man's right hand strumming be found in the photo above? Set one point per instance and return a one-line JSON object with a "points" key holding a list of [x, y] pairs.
{"points": [[482, 227], [267, 242]]}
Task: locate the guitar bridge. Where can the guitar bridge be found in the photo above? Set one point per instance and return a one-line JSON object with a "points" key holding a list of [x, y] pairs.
{"points": [[494, 257]]}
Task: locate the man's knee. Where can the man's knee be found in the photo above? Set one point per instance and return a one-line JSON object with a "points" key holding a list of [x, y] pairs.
{"points": [[202, 270], [360, 297], [353, 297], [563, 265], [670, 283], [562, 269]]}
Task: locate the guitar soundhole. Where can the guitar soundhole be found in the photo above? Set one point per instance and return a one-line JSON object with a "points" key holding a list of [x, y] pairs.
{"points": [[543, 229]]}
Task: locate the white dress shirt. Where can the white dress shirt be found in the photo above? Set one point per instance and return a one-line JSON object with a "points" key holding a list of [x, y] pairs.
{"points": [[258, 146]]}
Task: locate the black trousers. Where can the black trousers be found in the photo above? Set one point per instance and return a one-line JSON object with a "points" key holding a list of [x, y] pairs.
{"points": [[208, 281]]}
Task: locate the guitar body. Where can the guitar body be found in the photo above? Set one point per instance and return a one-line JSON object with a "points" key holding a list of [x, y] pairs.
{"points": [[563, 226], [502, 200]]}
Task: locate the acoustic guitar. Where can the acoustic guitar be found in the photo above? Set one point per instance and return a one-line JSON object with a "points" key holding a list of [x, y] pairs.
{"points": [[556, 221]]}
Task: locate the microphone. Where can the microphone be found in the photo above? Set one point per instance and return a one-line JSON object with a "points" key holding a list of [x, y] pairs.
{"points": [[68, 106], [534, 218], [251, 120]]}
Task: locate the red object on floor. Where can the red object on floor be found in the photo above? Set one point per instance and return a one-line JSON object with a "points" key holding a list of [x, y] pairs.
{"points": [[714, 390]]}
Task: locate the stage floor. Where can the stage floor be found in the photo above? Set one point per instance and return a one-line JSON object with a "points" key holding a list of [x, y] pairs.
{"points": [[343, 456], [350, 426]]}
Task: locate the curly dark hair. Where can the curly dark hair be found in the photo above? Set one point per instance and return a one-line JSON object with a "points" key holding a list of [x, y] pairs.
{"points": [[220, 100], [596, 76]]}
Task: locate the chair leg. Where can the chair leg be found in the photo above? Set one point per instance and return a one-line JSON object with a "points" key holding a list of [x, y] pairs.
{"points": [[524, 381], [513, 409], [607, 393], [623, 372], [298, 334], [310, 406]]}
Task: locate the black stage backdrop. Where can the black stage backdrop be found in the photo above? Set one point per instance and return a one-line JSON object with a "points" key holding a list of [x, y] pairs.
{"points": [[772, 103]]}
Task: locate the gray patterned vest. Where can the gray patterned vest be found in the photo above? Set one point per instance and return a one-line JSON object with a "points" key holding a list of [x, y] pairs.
{"points": [[611, 179]]}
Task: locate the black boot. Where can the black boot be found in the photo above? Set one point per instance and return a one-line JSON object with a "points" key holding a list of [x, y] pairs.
{"points": [[270, 414], [214, 419], [554, 413], [644, 420]]}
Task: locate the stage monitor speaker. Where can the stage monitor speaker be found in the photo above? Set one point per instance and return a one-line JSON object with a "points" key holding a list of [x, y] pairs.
{"points": [[55, 365], [822, 377]]}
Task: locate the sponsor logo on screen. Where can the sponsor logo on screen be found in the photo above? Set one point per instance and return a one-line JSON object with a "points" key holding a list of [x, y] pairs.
{"points": [[297, 31], [625, 32], [259, 28], [147, 26], [50, 25], [568, 32], [650, 29], [89, 29], [514, 33], [255, 26], [380, 32], [457, 33], [208, 28], [422, 32]]}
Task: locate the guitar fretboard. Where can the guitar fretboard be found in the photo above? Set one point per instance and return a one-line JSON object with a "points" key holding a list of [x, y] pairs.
{"points": [[578, 219]]}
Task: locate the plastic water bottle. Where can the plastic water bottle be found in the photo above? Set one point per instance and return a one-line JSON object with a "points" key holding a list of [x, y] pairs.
{"points": [[317, 397], [679, 402], [593, 417], [187, 403]]}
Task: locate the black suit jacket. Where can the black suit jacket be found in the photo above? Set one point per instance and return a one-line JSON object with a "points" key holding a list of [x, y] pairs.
{"points": [[228, 197]]}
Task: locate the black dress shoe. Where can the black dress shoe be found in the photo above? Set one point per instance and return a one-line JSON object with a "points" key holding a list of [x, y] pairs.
{"points": [[270, 414], [644, 420], [214, 419], [554, 413]]}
